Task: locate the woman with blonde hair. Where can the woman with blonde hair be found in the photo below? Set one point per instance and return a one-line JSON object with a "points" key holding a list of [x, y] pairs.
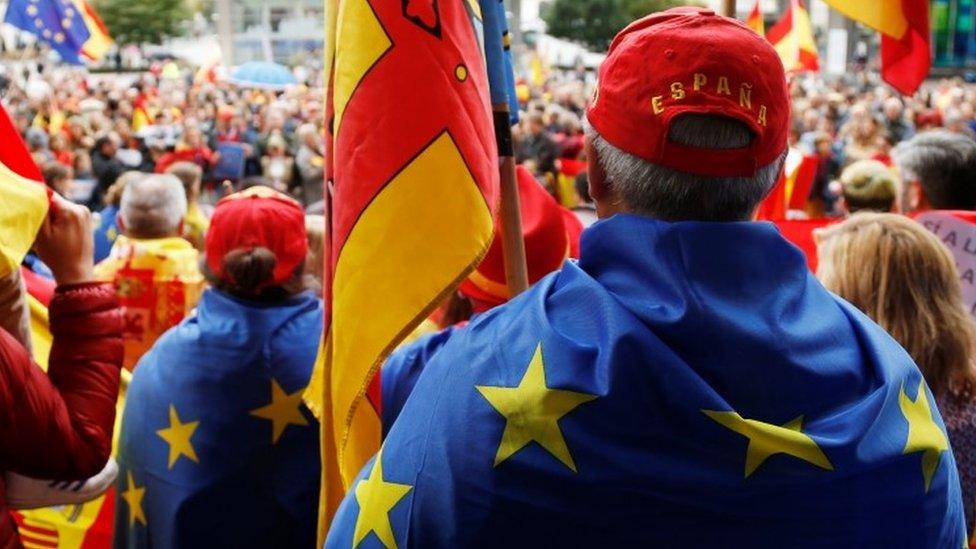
{"points": [[899, 274]]}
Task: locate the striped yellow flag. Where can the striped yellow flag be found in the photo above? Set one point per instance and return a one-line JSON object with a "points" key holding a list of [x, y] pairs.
{"points": [[755, 20], [792, 37], [413, 179]]}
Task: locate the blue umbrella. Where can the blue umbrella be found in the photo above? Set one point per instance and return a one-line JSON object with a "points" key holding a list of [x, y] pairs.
{"points": [[264, 75]]}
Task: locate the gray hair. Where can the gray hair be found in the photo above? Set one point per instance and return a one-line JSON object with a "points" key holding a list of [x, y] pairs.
{"points": [[944, 163], [153, 206], [670, 195]]}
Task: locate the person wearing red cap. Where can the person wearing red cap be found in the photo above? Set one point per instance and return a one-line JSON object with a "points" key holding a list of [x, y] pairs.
{"points": [[688, 383], [551, 234], [216, 447]]}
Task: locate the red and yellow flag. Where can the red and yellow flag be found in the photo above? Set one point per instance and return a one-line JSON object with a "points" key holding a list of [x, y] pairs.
{"points": [[23, 200], [791, 190], [905, 37], [792, 37], [755, 20], [413, 173]]}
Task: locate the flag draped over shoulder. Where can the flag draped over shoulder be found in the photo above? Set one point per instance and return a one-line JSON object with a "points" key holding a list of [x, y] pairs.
{"points": [[23, 200], [905, 37], [413, 176], [683, 385], [70, 27], [792, 37]]}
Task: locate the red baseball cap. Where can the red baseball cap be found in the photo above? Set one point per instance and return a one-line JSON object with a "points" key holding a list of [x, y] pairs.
{"points": [[551, 234], [258, 217], [684, 61]]}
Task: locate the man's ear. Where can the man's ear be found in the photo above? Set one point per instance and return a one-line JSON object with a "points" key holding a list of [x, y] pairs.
{"points": [[119, 223], [596, 178], [606, 199], [180, 228], [915, 198]]}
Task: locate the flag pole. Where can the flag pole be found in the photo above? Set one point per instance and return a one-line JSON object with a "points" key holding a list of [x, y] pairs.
{"points": [[510, 213], [728, 8]]}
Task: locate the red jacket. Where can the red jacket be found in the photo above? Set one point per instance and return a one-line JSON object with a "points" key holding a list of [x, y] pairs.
{"points": [[59, 426]]}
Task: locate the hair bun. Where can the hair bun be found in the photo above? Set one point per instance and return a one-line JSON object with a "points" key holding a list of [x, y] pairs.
{"points": [[249, 270]]}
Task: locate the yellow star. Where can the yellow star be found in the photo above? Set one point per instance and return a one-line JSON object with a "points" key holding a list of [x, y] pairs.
{"points": [[923, 433], [133, 497], [376, 498], [31, 10], [177, 435], [283, 411], [532, 411], [766, 439]]}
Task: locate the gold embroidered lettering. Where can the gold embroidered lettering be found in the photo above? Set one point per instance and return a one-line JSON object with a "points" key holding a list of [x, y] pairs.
{"points": [[677, 91], [745, 95], [657, 103], [723, 86]]}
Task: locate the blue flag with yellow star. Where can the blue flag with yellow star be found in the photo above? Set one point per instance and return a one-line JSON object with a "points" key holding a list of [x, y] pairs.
{"points": [[683, 385], [216, 448]]}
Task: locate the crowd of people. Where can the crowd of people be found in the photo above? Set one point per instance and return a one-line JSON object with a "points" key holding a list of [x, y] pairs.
{"points": [[85, 131], [188, 252]]}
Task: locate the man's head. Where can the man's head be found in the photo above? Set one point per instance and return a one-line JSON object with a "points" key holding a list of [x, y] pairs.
{"points": [[106, 145], [152, 207], [190, 175], [698, 133], [57, 176], [37, 139], [938, 170], [535, 123], [893, 109]]}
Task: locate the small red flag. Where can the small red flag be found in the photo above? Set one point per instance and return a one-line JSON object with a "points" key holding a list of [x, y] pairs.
{"points": [[905, 61], [14, 154]]}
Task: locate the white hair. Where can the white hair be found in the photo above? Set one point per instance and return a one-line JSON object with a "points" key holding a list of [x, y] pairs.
{"points": [[153, 206], [670, 195]]}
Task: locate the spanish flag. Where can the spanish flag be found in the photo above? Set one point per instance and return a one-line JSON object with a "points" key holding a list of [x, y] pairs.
{"points": [[755, 20], [412, 172], [905, 37], [792, 189], [141, 116], [24, 201], [793, 39]]}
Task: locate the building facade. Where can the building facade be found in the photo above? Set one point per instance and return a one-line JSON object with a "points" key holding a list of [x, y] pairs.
{"points": [[279, 29]]}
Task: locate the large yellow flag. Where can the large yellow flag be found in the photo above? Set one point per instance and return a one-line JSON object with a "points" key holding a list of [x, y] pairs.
{"points": [[24, 201], [413, 176]]}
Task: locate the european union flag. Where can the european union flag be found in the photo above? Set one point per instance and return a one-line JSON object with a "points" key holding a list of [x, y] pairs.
{"points": [[216, 448], [68, 26], [683, 385], [498, 56]]}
